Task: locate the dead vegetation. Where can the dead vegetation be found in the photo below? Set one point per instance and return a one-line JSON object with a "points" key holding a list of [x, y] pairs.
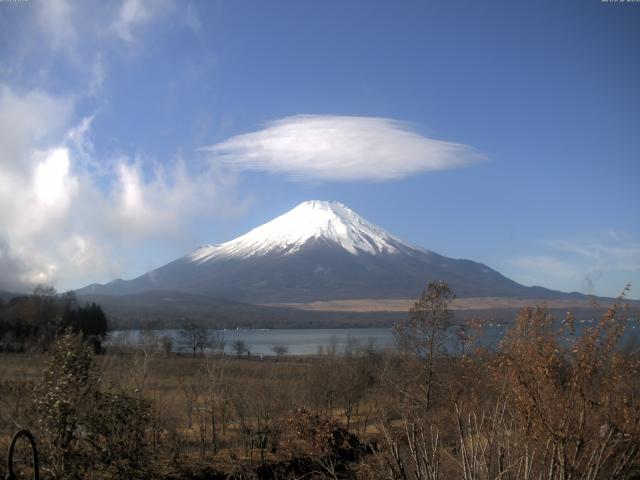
{"points": [[546, 405]]}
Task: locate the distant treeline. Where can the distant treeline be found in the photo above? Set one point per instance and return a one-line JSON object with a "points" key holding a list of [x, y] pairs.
{"points": [[33, 322]]}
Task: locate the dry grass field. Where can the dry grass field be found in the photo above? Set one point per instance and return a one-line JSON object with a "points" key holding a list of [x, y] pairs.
{"points": [[405, 304], [191, 394]]}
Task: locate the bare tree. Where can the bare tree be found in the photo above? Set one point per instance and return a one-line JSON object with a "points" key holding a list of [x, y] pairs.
{"points": [[195, 337], [167, 345], [189, 390], [217, 395], [352, 381], [422, 334], [240, 347], [280, 350], [140, 361], [218, 343], [462, 337]]}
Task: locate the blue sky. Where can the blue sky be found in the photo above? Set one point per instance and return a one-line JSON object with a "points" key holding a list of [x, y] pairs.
{"points": [[504, 132]]}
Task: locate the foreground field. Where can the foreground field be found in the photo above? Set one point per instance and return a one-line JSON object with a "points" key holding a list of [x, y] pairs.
{"points": [[542, 406]]}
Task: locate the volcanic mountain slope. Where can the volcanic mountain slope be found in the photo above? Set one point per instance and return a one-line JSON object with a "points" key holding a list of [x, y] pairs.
{"points": [[319, 251], [5, 295]]}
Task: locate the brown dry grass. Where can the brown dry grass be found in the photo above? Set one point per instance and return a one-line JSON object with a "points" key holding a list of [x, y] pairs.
{"points": [[404, 304], [531, 394]]}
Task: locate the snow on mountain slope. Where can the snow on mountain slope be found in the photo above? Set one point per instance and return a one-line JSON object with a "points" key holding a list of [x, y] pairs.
{"points": [[317, 220]]}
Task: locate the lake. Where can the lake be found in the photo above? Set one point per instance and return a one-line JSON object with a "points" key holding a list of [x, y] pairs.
{"points": [[309, 341]]}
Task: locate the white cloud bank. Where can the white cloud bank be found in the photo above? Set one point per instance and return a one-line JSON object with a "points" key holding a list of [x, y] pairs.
{"points": [[67, 217], [341, 148]]}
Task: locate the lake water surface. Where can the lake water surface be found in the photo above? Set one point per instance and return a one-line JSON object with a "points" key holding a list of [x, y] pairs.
{"points": [[310, 341]]}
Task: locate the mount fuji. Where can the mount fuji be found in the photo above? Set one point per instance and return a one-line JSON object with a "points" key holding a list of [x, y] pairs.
{"points": [[319, 251]]}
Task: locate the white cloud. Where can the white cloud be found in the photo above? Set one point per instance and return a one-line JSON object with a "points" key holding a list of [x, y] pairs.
{"points": [[97, 75], [64, 214], [53, 185], [56, 19], [545, 270], [132, 14], [341, 148], [29, 119], [79, 39], [619, 253], [68, 218], [599, 265], [163, 201], [10, 269]]}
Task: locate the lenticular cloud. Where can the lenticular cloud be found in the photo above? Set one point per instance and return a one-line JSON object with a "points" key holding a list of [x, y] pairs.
{"points": [[341, 148]]}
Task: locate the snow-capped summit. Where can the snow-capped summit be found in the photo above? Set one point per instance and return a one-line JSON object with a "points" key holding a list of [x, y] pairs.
{"points": [[313, 220]]}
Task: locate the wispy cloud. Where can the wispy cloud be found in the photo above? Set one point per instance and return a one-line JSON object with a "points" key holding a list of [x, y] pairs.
{"points": [[341, 148], [83, 37], [547, 271], [599, 265], [618, 253], [56, 18], [132, 14], [97, 75]]}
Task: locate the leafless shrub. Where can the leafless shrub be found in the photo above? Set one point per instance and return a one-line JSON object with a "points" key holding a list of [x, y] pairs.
{"points": [[579, 402], [280, 350]]}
